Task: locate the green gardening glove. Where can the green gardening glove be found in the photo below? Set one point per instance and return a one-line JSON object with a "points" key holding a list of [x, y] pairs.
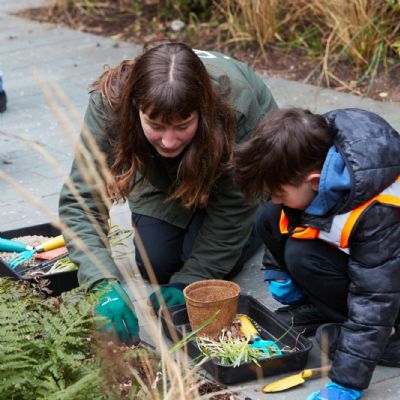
{"points": [[115, 305], [171, 294]]}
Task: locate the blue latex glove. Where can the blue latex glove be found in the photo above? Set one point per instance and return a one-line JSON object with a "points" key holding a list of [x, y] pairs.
{"points": [[286, 292], [172, 294], [334, 391], [115, 305]]}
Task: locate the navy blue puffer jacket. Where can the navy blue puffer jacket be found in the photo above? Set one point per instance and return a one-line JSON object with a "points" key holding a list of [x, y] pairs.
{"points": [[371, 150]]}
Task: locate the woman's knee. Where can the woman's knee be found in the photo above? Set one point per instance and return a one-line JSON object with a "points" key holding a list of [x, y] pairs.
{"points": [[162, 266], [163, 245]]}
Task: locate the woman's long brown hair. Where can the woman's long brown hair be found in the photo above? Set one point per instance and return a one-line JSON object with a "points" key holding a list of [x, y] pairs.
{"points": [[169, 81]]}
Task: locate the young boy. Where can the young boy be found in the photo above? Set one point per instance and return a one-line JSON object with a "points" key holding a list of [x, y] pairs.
{"points": [[333, 228]]}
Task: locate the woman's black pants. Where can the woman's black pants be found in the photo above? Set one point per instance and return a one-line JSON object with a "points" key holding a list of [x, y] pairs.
{"points": [[168, 246], [318, 268]]}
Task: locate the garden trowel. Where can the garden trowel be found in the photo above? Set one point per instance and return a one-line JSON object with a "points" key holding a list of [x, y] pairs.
{"points": [[295, 380]]}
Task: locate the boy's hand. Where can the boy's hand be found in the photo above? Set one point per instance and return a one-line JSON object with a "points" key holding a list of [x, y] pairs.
{"points": [[115, 305], [334, 391], [171, 294], [285, 291]]}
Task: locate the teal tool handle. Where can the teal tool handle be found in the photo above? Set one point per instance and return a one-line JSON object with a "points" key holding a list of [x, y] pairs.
{"points": [[13, 245], [269, 347]]}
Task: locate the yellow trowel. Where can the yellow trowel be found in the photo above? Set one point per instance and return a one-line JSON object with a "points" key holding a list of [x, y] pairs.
{"points": [[295, 380]]}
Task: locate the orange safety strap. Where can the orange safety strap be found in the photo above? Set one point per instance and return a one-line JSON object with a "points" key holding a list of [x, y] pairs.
{"points": [[283, 224], [309, 233], [355, 214], [299, 233], [313, 233]]}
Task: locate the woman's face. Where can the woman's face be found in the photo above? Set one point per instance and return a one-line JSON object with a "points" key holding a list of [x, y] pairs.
{"points": [[169, 139]]}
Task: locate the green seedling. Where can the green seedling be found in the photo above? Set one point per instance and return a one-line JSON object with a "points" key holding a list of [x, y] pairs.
{"points": [[62, 265], [232, 351]]}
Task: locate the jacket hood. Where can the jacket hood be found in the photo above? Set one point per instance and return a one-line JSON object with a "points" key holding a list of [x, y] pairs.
{"points": [[370, 148], [334, 184]]}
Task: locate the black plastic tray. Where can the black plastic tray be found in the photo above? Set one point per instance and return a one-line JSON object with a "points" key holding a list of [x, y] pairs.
{"points": [[269, 327], [58, 282]]}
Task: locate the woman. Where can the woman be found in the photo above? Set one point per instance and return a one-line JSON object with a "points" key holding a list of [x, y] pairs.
{"points": [[167, 122]]}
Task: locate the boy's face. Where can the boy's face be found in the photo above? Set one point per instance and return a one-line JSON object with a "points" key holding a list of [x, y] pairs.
{"points": [[298, 197]]}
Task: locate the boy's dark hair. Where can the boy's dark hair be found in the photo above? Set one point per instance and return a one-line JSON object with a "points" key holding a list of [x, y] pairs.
{"points": [[288, 144]]}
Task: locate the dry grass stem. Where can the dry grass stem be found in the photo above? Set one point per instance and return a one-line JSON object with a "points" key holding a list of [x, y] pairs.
{"points": [[248, 20], [178, 378]]}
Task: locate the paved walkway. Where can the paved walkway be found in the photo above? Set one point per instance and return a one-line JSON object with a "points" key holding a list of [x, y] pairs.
{"points": [[37, 127]]}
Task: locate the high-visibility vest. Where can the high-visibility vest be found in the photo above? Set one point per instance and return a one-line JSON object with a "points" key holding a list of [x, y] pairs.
{"points": [[342, 224]]}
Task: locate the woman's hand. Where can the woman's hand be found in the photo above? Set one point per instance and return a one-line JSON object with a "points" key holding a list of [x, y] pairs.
{"points": [[171, 295], [115, 305]]}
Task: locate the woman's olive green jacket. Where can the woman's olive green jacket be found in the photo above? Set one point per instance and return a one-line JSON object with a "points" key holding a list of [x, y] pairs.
{"points": [[228, 217]]}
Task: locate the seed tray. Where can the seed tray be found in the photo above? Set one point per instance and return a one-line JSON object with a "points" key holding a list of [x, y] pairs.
{"points": [[58, 282], [269, 326]]}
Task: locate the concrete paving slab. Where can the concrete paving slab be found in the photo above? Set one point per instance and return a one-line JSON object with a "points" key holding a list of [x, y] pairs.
{"points": [[321, 100], [73, 60]]}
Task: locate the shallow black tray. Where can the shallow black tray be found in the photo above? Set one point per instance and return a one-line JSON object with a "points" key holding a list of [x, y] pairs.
{"points": [[269, 327], [58, 282]]}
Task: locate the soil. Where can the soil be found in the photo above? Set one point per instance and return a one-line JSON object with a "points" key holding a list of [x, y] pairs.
{"points": [[28, 240], [120, 359], [291, 64], [207, 387]]}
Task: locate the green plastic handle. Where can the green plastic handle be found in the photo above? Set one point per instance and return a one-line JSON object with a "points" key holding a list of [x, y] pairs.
{"points": [[13, 245]]}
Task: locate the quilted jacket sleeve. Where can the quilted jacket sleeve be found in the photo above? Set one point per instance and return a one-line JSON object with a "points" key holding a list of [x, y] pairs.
{"points": [[86, 214], [374, 296]]}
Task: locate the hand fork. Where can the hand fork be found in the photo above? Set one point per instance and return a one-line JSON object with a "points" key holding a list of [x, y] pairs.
{"points": [[269, 347], [50, 244]]}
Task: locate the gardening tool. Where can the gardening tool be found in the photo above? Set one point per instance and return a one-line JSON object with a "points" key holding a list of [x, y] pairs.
{"points": [[51, 244], [269, 347], [295, 380], [44, 266], [13, 245]]}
